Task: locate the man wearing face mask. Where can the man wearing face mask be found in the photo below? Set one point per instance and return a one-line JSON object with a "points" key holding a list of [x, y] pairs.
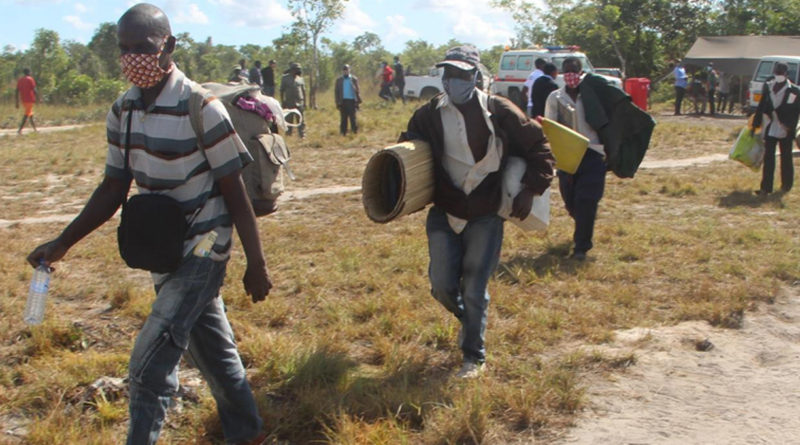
{"points": [[347, 97], [780, 104], [165, 157], [581, 191], [471, 136]]}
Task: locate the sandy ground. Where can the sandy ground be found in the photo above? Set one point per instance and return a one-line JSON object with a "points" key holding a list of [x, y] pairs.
{"points": [[744, 390]]}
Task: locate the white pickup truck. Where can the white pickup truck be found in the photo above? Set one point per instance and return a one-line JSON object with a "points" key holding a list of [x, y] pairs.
{"points": [[427, 86]]}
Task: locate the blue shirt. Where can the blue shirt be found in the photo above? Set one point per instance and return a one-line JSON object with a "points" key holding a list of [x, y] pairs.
{"points": [[681, 80], [347, 89]]}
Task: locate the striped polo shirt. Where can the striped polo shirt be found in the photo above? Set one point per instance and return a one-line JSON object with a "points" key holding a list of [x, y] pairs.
{"points": [[165, 157]]}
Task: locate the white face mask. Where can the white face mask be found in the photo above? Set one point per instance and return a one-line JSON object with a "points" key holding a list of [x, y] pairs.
{"points": [[780, 79], [460, 91]]}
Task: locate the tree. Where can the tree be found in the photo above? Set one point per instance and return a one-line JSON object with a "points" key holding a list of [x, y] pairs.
{"points": [[104, 45], [312, 18], [47, 60]]}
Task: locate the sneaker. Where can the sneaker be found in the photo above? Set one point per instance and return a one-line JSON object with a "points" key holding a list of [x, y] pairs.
{"points": [[260, 440], [470, 370], [762, 193]]}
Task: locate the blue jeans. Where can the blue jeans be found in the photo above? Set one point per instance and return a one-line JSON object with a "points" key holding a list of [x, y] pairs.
{"points": [[188, 316], [581, 193], [460, 268]]}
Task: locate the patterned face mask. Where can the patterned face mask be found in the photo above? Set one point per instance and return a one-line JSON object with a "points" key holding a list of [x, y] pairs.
{"points": [[143, 70], [572, 79]]}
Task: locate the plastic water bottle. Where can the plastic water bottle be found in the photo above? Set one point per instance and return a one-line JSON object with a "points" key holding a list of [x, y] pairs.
{"points": [[203, 248], [37, 295]]}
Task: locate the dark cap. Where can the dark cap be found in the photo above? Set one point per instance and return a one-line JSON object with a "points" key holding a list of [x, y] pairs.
{"points": [[465, 57], [345, 67], [295, 66], [272, 62]]}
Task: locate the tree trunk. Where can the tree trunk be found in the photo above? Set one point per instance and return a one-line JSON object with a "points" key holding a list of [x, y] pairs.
{"points": [[314, 78]]}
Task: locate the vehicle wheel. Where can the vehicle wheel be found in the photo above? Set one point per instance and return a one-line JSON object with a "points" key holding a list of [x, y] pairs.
{"points": [[427, 93]]}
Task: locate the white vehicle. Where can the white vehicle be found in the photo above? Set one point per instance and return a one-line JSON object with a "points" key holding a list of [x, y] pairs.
{"points": [[764, 72], [516, 65], [425, 87]]}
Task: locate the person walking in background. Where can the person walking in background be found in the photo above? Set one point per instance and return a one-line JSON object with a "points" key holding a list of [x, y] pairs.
{"points": [[347, 96], [28, 95], [268, 79], [399, 78], [712, 81], [387, 79], [255, 74], [527, 87], [582, 190], [470, 144], [723, 91], [243, 73], [187, 316], [293, 95], [780, 103], [542, 88], [681, 82]]}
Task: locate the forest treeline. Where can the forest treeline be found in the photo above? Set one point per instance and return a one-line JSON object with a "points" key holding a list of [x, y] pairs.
{"points": [[640, 36]]}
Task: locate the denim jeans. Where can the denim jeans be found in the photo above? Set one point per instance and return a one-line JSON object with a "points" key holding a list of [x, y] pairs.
{"points": [[188, 316], [460, 268], [581, 193]]}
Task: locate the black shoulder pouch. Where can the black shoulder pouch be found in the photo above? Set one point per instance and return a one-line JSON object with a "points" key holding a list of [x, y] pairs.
{"points": [[152, 227]]}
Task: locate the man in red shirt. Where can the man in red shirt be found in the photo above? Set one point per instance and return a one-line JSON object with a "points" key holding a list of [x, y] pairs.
{"points": [[387, 79], [26, 91]]}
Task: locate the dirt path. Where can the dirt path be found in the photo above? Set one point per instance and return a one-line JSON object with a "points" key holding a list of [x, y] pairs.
{"points": [[742, 391], [29, 130]]}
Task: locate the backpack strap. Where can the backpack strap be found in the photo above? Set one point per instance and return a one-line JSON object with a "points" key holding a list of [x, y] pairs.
{"points": [[196, 100]]}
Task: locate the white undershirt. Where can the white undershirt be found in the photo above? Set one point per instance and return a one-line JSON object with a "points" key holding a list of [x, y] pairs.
{"points": [[458, 161], [578, 123], [776, 128]]}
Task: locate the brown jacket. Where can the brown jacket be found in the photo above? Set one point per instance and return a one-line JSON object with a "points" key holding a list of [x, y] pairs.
{"points": [[521, 137]]}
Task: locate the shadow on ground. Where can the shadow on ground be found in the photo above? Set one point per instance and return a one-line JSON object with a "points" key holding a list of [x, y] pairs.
{"points": [[740, 198], [555, 260]]}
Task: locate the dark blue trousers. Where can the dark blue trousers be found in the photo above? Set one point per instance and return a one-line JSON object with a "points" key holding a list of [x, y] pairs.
{"points": [[581, 193]]}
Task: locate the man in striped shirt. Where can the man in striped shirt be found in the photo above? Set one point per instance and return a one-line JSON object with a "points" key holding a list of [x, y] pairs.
{"points": [[166, 157]]}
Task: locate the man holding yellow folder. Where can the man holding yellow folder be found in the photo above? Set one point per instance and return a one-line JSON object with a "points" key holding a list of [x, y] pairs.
{"points": [[583, 189]]}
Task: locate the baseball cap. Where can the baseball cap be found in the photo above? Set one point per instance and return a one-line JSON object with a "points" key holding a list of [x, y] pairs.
{"points": [[465, 57]]}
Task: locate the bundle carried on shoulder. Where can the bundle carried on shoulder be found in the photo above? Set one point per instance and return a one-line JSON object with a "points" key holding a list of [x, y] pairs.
{"points": [[256, 117]]}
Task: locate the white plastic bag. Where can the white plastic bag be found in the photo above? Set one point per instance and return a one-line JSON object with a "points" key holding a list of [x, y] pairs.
{"points": [[539, 218]]}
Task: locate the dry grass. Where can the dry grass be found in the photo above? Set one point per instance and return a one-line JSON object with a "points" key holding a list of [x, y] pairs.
{"points": [[49, 115], [350, 347]]}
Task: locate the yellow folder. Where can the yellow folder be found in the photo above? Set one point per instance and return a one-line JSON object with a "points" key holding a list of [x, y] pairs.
{"points": [[568, 145]]}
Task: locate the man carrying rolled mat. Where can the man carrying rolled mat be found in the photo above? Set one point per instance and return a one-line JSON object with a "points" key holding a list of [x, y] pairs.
{"points": [[471, 136]]}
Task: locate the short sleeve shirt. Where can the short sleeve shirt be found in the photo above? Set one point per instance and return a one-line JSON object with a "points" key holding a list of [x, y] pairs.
{"points": [[165, 156], [27, 86]]}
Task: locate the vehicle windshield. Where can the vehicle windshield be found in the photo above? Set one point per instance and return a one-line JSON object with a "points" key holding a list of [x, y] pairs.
{"points": [[766, 67], [764, 71], [559, 60]]}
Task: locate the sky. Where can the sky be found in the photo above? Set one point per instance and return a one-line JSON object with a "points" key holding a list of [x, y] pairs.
{"points": [[237, 22]]}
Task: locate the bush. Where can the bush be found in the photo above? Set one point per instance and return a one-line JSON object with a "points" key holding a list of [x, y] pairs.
{"points": [[107, 90], [74, 89]]}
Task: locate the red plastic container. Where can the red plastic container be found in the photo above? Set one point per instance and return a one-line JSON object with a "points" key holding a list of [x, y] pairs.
{"points": [[639, 90]]}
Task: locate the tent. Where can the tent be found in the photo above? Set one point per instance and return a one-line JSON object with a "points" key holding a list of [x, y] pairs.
{"points": [[739, 55]]}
